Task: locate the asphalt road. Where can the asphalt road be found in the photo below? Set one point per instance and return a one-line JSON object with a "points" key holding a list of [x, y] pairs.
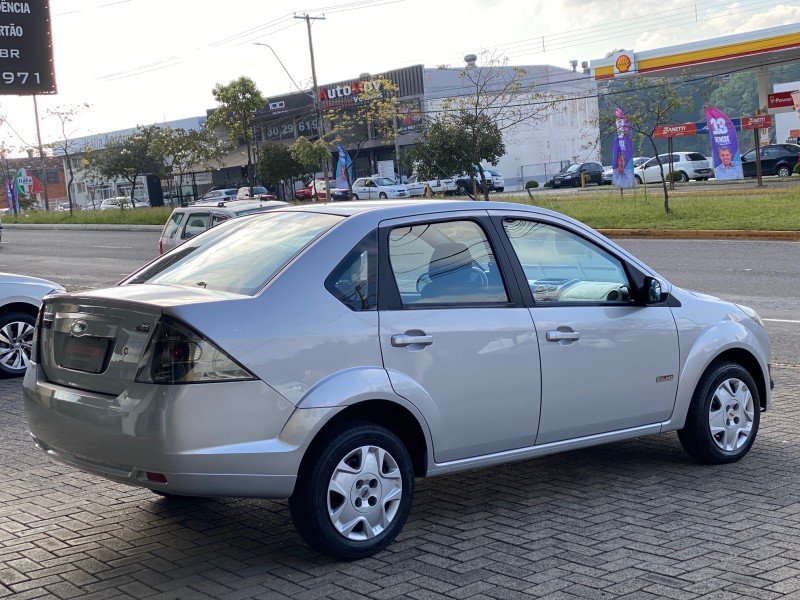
{"points": [[759, 274]]}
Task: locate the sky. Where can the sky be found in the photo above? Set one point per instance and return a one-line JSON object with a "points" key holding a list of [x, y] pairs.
{"points": [[140, 62]]}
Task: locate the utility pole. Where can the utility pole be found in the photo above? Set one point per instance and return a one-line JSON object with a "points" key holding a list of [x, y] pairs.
{"points": [[41, 154], [317, 105]]}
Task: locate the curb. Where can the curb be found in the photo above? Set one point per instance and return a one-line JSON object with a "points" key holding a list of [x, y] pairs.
{"points": [[84, 227], [703, 234]]}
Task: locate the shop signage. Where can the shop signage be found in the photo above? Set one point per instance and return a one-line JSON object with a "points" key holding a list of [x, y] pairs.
{"points": [[26, 49]]}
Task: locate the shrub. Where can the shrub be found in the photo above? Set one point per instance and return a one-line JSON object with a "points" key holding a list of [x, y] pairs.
{"points": [[796, 169], [548, 183], [534, 184], [674, 176]]}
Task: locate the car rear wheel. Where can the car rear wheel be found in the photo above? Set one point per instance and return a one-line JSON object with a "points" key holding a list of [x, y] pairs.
{"points": [[724, 415], [16, 336], [355, 196], [354, 491], [784, 171], [499, 189], [683, 177]]}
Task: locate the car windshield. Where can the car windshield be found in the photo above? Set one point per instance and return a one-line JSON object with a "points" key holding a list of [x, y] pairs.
{"points": [[383, 181], [237, 256], [571, 169]]}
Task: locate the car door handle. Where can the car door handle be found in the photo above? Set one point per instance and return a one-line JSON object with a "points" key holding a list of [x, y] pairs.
{"points": [[402, 340], [560, 336]]}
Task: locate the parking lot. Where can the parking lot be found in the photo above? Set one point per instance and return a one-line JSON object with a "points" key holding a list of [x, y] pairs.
{"points": [[636, 519]]}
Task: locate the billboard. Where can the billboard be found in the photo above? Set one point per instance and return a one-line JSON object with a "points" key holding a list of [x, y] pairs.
{"points": [[26, 51]]}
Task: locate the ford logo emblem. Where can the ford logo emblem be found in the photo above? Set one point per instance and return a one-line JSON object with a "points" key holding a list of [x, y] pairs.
{"points": [[78, 328]]}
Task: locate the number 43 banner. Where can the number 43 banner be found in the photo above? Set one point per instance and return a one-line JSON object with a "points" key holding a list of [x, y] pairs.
{"points": [[724, 145]]}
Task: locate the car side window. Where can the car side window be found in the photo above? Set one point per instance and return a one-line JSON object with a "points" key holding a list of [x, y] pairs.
{"points": [[447, 264], [197, 223], [565, 268], [217, 219], [354, 281], [173, 224]]}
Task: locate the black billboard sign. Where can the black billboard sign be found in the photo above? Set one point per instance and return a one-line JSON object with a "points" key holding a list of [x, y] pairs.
{"points": [[26, 49]]}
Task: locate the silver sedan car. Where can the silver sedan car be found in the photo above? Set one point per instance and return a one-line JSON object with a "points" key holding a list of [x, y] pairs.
{"points": [[331, 354]]}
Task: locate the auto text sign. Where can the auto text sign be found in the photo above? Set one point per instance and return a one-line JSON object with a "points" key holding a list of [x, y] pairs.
{"points": [[667, 131], [26, 49], [758, 122]]}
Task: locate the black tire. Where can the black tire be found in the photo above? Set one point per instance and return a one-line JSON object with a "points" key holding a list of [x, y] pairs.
{"points": [[382, 196], [16, 336], [462, 191], [783, 171], [683, 177], [312, 502], [355, 196], [739, 405], [499, 189], [638, 179]]}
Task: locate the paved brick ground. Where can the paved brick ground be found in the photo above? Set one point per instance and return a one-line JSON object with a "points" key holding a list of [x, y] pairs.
{"points": [[629, 520]]}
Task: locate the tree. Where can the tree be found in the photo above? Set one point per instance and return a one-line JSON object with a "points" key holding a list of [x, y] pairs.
{"points": [[66, 114], [502, 98], [372, 116], [183, 150], [310, 154], [649, 103], [238, 102], [276, 163], [133, 156]]}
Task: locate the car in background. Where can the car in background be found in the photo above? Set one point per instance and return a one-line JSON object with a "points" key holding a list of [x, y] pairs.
{"points": [[331, 354], [498, 181], [186, 222], [64, 206], [572, 175], [608, 175], [776, 159], [440, 186], [1, 225], [20, 299], [688, 165], [464, 183], [119, 203], [307, 193], [378, 188], [219, 195], [258, 193]]}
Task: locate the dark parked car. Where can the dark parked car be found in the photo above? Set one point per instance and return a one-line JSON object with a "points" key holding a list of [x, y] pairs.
{"points": [[571, 176], [776, 159]]}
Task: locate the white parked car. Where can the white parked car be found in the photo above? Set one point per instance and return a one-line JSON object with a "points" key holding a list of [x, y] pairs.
{"points": [[440, 186], [375, 188], [689, 165], [498, 181], [119, 202], [20, 299], [332, 353]]}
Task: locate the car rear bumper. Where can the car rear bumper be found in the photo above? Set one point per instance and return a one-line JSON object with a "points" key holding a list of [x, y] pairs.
{"points": [[217, 439]]}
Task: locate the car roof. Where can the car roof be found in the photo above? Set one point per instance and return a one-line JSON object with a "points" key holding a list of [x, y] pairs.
{"points": [[233, 205]]}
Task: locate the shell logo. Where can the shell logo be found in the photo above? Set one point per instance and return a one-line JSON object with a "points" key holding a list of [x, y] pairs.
{"points": [[623, 63]]}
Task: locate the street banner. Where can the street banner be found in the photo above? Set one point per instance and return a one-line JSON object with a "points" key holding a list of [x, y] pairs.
{"points": [[724, 145], [9, 194], [622, 175], [344, 168]]}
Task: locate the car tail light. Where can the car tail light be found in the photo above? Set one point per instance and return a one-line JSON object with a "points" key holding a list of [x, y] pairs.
{"points": [[160, 247], [176, 354]]}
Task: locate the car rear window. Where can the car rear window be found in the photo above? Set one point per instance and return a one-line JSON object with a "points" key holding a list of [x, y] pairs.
{"points": [[238, 256], [695, 156], [172, 225]]}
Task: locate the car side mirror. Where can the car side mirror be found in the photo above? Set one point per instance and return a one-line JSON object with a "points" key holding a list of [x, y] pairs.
{"points": [[652, 291]]}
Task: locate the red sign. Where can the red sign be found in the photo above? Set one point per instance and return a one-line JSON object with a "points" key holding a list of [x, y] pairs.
{"points": [[668, 131], [759, 122], [780, 100], [795, 133]]}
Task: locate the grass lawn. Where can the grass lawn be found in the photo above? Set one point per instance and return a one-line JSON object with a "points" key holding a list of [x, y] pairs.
{"points": [[701, 207]]}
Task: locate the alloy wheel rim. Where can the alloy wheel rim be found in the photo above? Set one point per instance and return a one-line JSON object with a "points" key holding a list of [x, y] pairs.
{"points": [[15, 345], [730, 415], [364, 493]]}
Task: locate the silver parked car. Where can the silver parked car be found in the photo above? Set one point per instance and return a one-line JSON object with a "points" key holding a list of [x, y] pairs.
{"points": [[330, 354], [20, 299]]}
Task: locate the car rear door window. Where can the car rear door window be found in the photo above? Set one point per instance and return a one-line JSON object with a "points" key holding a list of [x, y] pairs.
{"points": [[445, 263], [565, 268], [354, 281], [197, 223], [173, 224], [695, 156]]}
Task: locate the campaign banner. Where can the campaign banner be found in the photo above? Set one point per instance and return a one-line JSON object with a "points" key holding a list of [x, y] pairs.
{"points": [[344, 168], [724, 145], [622, 174]]}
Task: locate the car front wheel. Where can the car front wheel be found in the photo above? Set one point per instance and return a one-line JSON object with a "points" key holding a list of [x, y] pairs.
{"points": [[724, 415], [16, 336], [784, 171], [382, 196], [354, 491]]}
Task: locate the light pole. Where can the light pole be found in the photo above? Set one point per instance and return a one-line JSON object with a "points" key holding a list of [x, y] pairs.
{"points": [[317, 107]]}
